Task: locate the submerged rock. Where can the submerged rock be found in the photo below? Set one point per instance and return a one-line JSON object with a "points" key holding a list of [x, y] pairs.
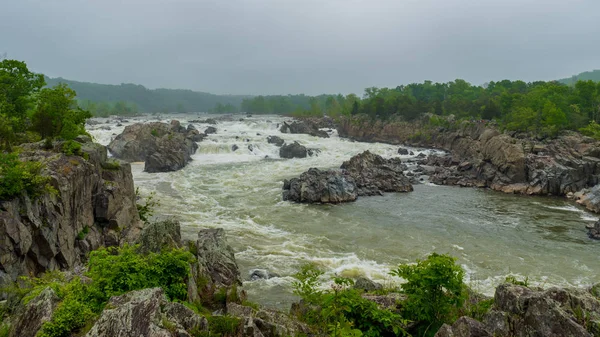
{"points": [[275, 140], [402, 151], [314, 185], [294, 150]]}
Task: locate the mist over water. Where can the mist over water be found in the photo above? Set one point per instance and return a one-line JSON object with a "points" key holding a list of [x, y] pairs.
{"points": [[492, 234]]}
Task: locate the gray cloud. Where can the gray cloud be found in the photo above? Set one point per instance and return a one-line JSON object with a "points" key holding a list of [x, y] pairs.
{"points": [[310, 46]]}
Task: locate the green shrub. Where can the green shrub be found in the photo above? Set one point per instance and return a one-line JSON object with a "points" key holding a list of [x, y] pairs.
{"points": [[434, 289], [342, 311], [84, 232], [4, 330], [111, 165], [17, 176], [70, 315], [223, 325], [116, 271], [146, 210], [71, 148], [512, 279], [154, 133]]}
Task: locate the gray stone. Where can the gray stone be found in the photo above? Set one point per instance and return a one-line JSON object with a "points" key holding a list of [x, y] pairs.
{"points": [[39, 310], [294, 150], [314, 185]]}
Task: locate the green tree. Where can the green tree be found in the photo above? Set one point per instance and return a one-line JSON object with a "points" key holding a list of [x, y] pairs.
{"points": [[58, 115]]}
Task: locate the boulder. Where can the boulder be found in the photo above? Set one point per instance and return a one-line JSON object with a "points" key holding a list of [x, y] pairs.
{"points": [[266, 323], [39, 310], [374, 175], [158, 236], [258, 274], [146, 312], [314, 185], [591, 200], [164, 147], [216, 266], [210, 130], [275, 140], [303, 126], [520, 311], [234, 148], [294, 150], [594, 230], [366, 284], [402, 151], [463, 327]]}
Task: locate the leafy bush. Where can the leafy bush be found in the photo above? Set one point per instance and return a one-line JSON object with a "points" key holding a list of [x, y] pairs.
{"points": [[146, 210], [71, 148], [434, 290], [70, 315], [342, 311], [591, 130], [512, 279], [17, 176], [84, 232], [116, 271]]}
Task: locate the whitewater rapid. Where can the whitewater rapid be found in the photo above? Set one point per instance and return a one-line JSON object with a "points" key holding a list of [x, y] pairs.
{"points": [[492, 234]]}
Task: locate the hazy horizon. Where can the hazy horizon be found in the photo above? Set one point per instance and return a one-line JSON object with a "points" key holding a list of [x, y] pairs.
{"points": [[293, 47]]}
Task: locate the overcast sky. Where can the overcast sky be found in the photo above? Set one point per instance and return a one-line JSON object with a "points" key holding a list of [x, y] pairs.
{"points": [[309, 46]]}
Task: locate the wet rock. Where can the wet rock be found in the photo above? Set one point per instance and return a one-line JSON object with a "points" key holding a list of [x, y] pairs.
{"points": [[594, 230], [366, 284], [275, 140], [374, 175], [250, 147], [305, 127], [234, 147], [261, 274], [402, 151], [39, 310], [164, 147], [313, 152], [294, 150], [210, 130], [591, 199], [191, 127], [314, 185]]}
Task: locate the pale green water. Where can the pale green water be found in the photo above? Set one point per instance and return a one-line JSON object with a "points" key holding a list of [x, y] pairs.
{"points": [[492, 234]]}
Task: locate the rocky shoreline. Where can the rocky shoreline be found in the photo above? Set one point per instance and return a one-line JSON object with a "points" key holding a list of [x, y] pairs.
{"points": [[479, 155]]}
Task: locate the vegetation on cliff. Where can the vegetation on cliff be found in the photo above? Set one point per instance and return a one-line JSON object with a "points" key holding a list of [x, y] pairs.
{"points": [[29, 112]]}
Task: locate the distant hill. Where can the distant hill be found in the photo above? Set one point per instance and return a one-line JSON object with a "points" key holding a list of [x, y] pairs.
{"points": [[149, 100], [585, 76]]}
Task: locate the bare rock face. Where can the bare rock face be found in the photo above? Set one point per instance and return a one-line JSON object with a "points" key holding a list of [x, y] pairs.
{"points": [[145, 313], [216, 267], [158, 236], [34, 314], [162, 146], [463, 327], [314, 185], [294, 150], [303, 126], [94, 206]]}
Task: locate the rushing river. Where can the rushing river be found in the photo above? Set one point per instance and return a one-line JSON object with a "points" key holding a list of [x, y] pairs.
{"points": [[492, 234]]}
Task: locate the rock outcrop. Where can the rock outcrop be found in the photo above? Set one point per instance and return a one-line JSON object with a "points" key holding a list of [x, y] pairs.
{"points": [[314, 185], [375, 175], [523, 312], [93, 206], [303, 126], [594, 230], [162, 146], [35, 313], [479, 155], [146, 312], [363, 175]]}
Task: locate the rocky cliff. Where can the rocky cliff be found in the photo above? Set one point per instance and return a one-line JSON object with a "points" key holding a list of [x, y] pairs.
{"points": [[480, 155], [93, 205]]}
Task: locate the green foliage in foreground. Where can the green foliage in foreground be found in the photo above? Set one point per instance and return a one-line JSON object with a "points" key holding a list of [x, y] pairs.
{"points": [[341, 310], [434, 289], [113, 271], [17, 176]]}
